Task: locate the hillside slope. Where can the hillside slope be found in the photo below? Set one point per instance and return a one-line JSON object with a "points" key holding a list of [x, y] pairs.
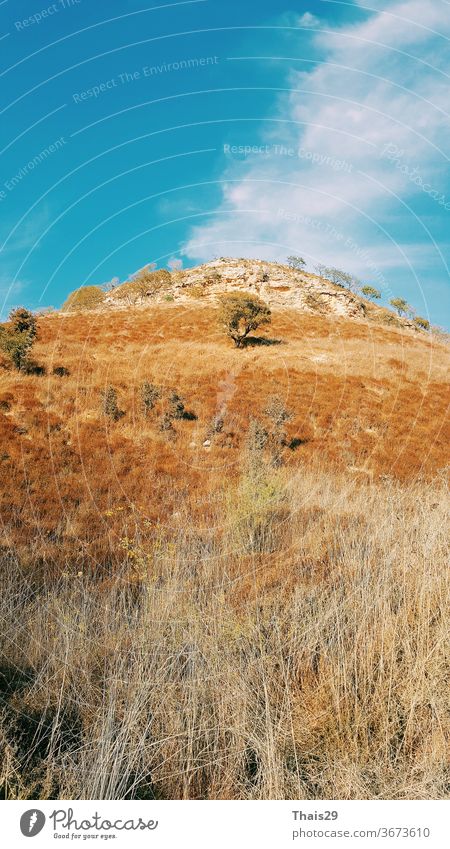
{"points": [[224, 571], [368, 400]]}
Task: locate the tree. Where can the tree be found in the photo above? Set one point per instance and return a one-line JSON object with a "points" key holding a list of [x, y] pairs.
{"points": [[371, 292], [151, 281], [18, 335], [423, 323], [400, 305], [241, 312], [296, 262], [337, 276], [85, 298]]}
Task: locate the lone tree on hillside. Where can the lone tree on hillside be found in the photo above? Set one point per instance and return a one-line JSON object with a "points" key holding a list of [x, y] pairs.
{"points": [[18, 335], [296, 262], [400, 305], [371, 293], [241, 312]]}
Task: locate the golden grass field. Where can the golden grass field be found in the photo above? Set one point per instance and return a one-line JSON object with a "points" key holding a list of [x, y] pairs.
{"points": [[190, 620]]}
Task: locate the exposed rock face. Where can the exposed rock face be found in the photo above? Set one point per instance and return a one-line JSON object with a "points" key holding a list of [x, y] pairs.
{"points": [[276, 284]]}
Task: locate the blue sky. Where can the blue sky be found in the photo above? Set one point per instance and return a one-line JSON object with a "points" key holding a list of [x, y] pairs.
{"points": [[126, 127]]}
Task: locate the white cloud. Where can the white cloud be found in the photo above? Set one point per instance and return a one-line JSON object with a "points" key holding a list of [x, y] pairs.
{"points": [[308, 20], [382, 81], [174, 264]]}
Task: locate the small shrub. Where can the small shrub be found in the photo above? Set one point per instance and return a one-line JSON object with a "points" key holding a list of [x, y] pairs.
{"points": [[257, 436], [32, 367], [313, 301], [61, 371], [176, 406], [149, 396], [166, 425], [110, 407], [195, 291], [213, 278], [278, 415]]}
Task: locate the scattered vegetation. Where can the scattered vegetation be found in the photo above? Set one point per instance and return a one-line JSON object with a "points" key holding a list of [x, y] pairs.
{"points": [[240, 313]]}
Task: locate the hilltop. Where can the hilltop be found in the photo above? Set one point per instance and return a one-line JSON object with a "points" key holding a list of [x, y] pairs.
{"points": [[279, 285]]}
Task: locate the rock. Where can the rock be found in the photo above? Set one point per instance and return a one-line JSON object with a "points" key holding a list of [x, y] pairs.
{"points": [[207, 443]]}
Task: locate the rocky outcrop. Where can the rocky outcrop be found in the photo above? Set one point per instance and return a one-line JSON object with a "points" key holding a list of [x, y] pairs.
{"points": [[276, 284]]}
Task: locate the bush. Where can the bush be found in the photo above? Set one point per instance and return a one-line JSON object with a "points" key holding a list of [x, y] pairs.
{"points": [[110, 407], [176, 406], [149, 396], [17, 336], [195, 291], [213, 278], [241, 312], [61, 371], [257, 436], [85, 298], [278, 415], [32, 367]]}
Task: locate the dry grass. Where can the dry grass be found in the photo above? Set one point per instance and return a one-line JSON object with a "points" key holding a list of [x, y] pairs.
{"points": [[294, 649], [188, 621]]}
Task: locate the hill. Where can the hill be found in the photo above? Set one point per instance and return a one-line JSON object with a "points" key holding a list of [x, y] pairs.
{"points": [[223, 571], [362, 397]]}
